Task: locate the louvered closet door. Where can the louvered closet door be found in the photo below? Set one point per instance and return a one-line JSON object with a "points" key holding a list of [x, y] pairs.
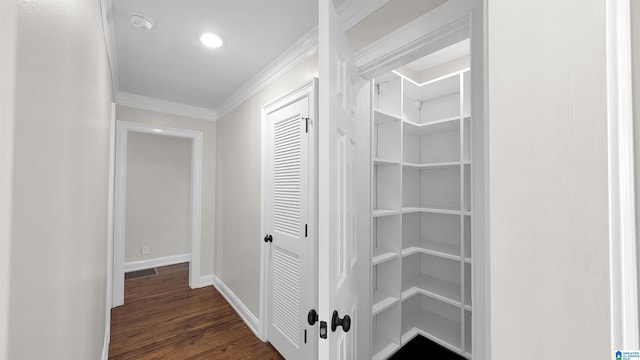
{"points": [[290, 275]]}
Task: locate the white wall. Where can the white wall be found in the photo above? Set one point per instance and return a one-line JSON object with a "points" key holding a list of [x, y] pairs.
{"points": [[548, 170], [8, 20], [208, 129], [61, 160], [158, 209]]}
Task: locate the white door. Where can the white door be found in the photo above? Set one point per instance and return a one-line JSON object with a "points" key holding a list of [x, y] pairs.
{"points": [[343, 186], [289, 238]]}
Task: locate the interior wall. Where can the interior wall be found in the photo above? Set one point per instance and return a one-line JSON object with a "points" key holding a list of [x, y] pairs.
{"points": [[60, 182], [158, 209], [239, 171], [548, 168], [208, 129], [8, 17]]}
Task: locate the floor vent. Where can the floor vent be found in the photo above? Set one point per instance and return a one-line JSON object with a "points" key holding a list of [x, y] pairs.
{"points": [[140, 273]]}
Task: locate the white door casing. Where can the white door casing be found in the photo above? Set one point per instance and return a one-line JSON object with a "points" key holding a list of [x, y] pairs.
{"points": [[343, 219], [122, 129], [288, 215]]}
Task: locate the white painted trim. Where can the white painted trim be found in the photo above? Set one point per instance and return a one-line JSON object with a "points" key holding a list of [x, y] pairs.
{"points": [[110, 231], [169, 107], [106, 7], [105, 346], [622, 231], [156, 262], [206, 280], [243, 311], [440, 27], [310, 90], [122, 129], [351, 12]]}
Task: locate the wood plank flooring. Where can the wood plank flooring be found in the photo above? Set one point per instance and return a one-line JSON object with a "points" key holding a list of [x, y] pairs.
{"points": [[164, 319]]}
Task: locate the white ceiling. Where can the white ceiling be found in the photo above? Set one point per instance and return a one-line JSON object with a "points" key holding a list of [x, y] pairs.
{"points": [[169, 63]]}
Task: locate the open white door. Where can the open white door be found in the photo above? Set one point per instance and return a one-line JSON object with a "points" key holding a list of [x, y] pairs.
{"points": [[343, 219], [290, 241]]}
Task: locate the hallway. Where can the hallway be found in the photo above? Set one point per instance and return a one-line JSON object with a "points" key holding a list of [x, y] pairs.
{"points": [[163, 319]]}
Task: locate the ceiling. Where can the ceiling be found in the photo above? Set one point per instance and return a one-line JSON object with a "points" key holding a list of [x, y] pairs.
{"points": [[168, 62]]}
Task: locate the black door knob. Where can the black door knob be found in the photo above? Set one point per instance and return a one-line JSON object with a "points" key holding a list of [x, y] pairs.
{"points": [[268, 238], [312, 317], [336, 321]]}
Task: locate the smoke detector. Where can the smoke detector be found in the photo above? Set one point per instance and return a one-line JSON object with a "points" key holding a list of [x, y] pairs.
{"points": [[140, 21]]}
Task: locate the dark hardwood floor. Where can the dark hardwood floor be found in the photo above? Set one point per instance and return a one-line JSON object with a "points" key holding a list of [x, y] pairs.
{"points": [[163, 319]]}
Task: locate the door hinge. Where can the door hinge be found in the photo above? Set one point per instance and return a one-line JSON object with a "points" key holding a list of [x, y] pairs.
{"points": [[305, 230], [306, 124]]}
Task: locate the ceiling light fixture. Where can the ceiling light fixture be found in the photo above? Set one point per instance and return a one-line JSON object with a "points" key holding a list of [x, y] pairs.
{"points": [[140, 21], [211, 40]]}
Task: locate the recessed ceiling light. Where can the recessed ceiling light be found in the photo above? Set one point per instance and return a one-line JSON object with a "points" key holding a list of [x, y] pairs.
{"points": [[211, 40], [140, 21]]}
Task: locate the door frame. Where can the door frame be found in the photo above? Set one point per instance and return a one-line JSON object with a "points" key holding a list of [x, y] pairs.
{"points": [[120, 200], [622, 228], [443, 26], [307, 90]]}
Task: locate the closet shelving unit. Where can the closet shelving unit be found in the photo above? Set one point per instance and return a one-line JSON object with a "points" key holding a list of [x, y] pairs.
{"points": [[421, 218]]}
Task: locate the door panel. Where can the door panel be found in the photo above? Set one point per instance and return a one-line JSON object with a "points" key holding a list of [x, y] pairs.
{"points": [[344, 187]]}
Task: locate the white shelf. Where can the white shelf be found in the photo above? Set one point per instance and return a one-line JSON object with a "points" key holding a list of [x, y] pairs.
{"points": [[435, 165], [382, 346], [383, 117], [384, 212], [435, 210], [382, 301], [443, 331], [433, 287], [381, 255], [436, 248], [381, 161], [445, 124]]}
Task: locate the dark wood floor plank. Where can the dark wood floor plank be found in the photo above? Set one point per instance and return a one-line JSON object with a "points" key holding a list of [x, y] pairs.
{"points": [[164, 319]]}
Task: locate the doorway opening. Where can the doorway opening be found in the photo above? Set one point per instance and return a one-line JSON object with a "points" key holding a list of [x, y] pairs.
{"points": [[131, 241]]}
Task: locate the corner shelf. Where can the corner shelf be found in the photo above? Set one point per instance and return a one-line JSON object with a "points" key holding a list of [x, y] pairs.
{"points": [[421, 253]]}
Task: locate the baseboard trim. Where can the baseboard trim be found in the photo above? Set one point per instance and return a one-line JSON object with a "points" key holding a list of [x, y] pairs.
{"points": [[245, 314], [155, 262], [105, 345], [206, 280]]}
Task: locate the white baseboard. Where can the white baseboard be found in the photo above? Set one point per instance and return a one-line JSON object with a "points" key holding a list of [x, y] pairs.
{"points": [[155, 262], [206, 280], [105, 346], [245, 314]]}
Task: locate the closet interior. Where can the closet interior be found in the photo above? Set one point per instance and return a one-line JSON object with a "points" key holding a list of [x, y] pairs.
{"points": [[421, 204]]}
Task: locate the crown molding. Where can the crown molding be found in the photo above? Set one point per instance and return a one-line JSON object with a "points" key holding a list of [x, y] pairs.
{"points": [[350, 13], [153, 104], [438, 28], [106, 7]]}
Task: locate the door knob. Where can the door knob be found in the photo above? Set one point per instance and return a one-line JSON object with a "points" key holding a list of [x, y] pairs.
{"points": [[312, 317], [268, 238], [336, 321]]}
